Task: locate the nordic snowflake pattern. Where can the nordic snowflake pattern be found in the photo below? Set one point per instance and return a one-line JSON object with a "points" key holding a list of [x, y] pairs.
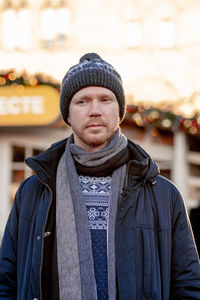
{"points": [[96, 195]]}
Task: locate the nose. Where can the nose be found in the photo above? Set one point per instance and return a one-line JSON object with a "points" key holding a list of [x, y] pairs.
{"points": [[95, 108]]}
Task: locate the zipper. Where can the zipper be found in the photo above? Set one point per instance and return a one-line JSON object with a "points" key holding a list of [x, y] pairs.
{"points": [[46, 234], [127, 174], [42, 247], [153, 180]]}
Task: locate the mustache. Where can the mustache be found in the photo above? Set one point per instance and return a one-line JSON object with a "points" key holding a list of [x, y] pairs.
{"points": [[95, 121]]}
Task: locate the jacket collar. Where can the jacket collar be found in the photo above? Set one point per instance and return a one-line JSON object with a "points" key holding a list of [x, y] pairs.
{"points": [[45, 164], [141, 167]]}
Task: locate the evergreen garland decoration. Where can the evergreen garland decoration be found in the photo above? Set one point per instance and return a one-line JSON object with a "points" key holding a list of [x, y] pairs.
{"points": [[137, 115], [10, 77], [148, 116]]}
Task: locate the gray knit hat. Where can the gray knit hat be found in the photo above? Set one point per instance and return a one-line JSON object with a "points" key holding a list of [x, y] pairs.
{"points": [[91, 71]]}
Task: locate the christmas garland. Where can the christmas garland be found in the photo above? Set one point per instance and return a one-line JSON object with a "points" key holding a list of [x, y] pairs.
{"points": [[141, 115], [145, 116], [10, 77]]}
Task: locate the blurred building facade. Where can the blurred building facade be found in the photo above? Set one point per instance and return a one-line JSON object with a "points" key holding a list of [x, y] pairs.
{"points": [[155, 47]]}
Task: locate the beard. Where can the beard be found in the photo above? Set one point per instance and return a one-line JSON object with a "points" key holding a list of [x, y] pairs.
{"points": [[94, 139]]}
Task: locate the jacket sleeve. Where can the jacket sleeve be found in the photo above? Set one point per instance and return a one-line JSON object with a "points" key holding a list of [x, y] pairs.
{"points": [[8, 254], [185, 268]]}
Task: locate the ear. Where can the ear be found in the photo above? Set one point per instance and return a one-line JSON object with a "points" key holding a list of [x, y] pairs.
{"points": [[68, 120]]}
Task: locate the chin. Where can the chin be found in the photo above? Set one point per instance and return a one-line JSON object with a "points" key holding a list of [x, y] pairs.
{"points": [[94, 142]]}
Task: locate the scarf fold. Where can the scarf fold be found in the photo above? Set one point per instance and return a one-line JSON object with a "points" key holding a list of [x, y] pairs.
{"points": [[108, 167], [74, 249], [94, 159]]}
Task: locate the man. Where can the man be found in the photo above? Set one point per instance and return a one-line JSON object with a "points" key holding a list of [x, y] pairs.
{"points": [[97, 221]]}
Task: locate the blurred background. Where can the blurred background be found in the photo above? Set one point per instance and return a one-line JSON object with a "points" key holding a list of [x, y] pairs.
{"points": [[154, 45]]}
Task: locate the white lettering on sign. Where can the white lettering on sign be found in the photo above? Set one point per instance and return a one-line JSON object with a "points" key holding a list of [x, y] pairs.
{"points": [[22, 105]]}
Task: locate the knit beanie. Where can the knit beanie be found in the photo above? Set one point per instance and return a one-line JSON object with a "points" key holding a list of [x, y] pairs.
{"points": [[92, 70]]}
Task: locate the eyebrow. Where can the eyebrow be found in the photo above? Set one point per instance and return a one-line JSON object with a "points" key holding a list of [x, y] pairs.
{"points": [[89, 96], [107, 95]]}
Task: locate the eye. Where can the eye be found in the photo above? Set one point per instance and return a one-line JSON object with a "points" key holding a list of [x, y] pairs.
{"points": [[81, 101], [105, 99]]}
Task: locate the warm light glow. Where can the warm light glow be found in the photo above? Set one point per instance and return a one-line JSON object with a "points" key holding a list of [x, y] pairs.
{"points": [[2, 81], [166, 123], [166, 34], [12, 76], [193, 130], [154, 115], [62, 22], [138, 119], [197, 103], [47, 25], [133, 34], [33, 81], [187, 109], [187, 123]]}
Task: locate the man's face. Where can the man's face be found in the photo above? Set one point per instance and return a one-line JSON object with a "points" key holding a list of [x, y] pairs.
{"points": [[94, 117]]}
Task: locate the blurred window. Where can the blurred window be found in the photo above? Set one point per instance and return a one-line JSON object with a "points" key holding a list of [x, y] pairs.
{"points": [[9, 21], [133, 34], [166, 34], [54, 25], [20, 170], [23, 28]]}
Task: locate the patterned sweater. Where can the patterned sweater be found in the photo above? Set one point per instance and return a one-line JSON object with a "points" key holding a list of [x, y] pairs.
{"points": [[96, 195]]}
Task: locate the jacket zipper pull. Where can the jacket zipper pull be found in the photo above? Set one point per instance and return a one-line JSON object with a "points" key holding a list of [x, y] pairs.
{"points": [[46, 234]]}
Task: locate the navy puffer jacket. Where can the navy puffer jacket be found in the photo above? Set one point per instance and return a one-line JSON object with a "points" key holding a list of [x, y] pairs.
{"points": [[156, 258]]}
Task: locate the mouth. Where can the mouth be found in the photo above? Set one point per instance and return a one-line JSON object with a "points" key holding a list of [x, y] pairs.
{"points": [[95, 125]]}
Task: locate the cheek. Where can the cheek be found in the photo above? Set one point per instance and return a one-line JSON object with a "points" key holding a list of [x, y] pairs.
{"points": [[115, 111], [74, 115], [76, 118], [115, 115]]}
